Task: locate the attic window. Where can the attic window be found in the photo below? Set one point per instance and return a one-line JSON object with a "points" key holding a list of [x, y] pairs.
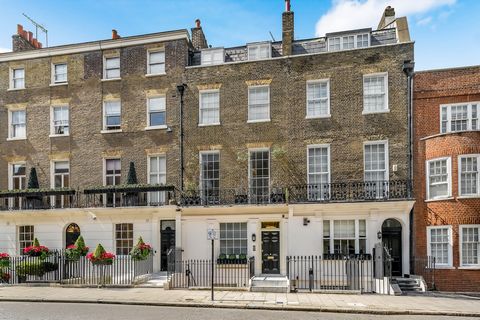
{"points": [[212, 56], [259, 51], [349, 41]]}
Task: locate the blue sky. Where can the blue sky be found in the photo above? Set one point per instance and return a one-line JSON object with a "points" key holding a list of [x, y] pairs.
{"points": [[446, 32]]}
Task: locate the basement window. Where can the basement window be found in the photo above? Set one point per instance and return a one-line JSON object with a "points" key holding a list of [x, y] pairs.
{"points": [[259, 51], [212, 56]]}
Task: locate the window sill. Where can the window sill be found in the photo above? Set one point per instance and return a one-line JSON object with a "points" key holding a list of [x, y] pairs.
{"points": [[375, 112], [162, 127], [15, 89], [469, 268], [208, 124], [58, 135], [473, 196], [150, 75], [59, 84], [444, 267], [112, 79], [111, 131], [440, 199], [16, 139], [258, 121], [319, 117]]}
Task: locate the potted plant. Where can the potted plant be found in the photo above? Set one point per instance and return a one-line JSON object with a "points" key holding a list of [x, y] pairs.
{"points": [[191, 196], [4, 260], [76, 250], [131, 197], [232, 258], [222, 258], [100, 256], [141, 251], [36, 250], [242, 258], [5, 277]]}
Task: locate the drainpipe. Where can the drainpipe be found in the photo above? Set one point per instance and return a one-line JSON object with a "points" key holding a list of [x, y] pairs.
{"points": [[407, 68], [181, 90]]}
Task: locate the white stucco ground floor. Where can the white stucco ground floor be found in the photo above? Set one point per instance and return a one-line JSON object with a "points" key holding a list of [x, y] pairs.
{"points": [[268, 233]]}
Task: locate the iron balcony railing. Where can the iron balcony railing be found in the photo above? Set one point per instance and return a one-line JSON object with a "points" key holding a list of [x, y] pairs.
{"points": [[233, 196]]}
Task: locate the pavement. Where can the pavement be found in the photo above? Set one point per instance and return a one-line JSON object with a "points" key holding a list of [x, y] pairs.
{"points": [[429, 304]]}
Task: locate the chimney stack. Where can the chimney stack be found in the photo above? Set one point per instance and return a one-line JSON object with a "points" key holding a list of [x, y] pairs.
{"points": [[198, 37], [387, 18], [24, 40], [115, 35], [287, 30]]}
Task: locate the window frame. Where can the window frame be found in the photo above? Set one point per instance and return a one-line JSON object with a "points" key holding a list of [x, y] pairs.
{"points": [[161, 194], [321, 81], [387, 158], [355, 41], [11, 201], [269, 118], [149, 64], [52, 121], [329, 173], [220, 239], [149, 125], [54, 81], [469, 116], [107, 57], [211, 52], [105, 128], [250, 188], [459, 162], [200, 103], [331, 237], [449, 264], [30, 242], [130, 240], [460, 238], [10, 124], [449, 178], [216, 193], [64, 199], [12, 79], [257, 46], [386, 94]]}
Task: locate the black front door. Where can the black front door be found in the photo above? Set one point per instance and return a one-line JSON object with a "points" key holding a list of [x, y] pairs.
{"points": [[71, 234], [271, 252], [167, 241], [392, 240]]}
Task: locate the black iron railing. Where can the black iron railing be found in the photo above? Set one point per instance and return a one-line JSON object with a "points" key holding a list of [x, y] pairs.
{"points": [[234, 196], [336, 273], [39, 201], [198, 273], [57, 268]]}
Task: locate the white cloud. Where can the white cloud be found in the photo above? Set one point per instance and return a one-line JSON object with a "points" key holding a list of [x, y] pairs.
{"points": [[3, 50], [354, 14], [424, 21]]}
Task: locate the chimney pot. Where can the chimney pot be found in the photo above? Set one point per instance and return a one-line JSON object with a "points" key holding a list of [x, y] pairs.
{"points": [[198, 23], [39, 45], [30, 36], [115, 34], [19, 29], [287, 6], [35, 42]]}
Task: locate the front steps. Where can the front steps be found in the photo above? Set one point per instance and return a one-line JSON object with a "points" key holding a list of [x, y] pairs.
{"points": [[409, 285], [269, 283], [157, 280]]}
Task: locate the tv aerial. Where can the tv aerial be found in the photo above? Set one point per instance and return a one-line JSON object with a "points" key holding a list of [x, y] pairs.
{"points": [[38, 26]]}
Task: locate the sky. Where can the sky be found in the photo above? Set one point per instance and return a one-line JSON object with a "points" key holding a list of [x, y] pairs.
{"points": [[446, 32]]}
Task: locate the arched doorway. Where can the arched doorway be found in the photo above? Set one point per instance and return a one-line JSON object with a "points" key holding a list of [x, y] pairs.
{"points": [[392, 240], [72, 232]]}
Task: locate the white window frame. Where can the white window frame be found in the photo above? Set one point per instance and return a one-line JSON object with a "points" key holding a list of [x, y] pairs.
{"points": [[449, 178], [386, 99], [469, 116], [149, 125], [387, 157], [268, 119], [54, 74], [52, 181], [104, 117], [12, 79], [210, 52], [234, 238], [310, 192], [10, 124], [149, 65], [161, 194], [19, 242], [258, 46], [467, 226], [321, 81], [250, 188], [355, 41], [10, 181], [52, 121], [357, 238], [129, 248], [472, 195], [450, 245], [200, 104], [205, 196], [105, 58]]}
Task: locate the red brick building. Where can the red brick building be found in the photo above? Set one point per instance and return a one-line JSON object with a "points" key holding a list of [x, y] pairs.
{"points": [[446, 126]]}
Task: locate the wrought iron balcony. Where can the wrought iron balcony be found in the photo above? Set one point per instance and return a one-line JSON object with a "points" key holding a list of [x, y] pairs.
{"points": [[233, 196], [38, 199]]}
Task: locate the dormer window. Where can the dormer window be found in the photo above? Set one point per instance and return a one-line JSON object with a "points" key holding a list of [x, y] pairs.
{"points": [[351, 41], [259, 51], [212, 56]]}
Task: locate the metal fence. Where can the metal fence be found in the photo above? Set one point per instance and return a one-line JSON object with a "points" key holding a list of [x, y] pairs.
{"points": [[426, 267], [332, 273], [57, 268], [198, 273]]}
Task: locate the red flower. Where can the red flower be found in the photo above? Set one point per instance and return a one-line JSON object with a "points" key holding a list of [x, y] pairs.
{"points": [[72, 246], [4, 256]]}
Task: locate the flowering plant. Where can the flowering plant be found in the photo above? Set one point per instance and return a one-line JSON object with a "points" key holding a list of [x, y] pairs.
{"points": [[77, 250], [100, 256], [141, 251], [36, 250], [4, 260]]}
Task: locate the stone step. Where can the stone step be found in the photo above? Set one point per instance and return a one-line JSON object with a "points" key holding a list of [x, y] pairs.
{"points": [[276, 284], [269, 289]]}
